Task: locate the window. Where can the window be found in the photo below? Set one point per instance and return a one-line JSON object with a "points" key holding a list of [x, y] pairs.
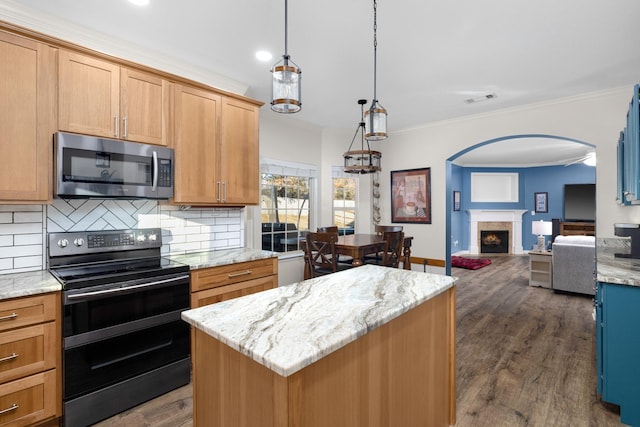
{"points": [[286, 204], [344, 204]]}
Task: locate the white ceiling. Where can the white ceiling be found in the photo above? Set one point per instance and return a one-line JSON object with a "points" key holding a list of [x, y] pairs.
{"points": [[432, 55]]}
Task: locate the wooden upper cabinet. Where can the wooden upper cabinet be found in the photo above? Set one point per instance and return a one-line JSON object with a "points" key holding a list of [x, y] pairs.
{"points": [[100, 98], [196, 114], [216, 149], [28, 114], [239, 153], [144, 105]]}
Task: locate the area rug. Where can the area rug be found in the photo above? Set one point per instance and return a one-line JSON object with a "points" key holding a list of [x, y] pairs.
{"points": [[469, 263]]}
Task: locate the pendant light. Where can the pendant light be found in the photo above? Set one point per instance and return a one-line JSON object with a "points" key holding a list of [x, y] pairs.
{"points": [[376, 115], [286, 89], [361, 161]]}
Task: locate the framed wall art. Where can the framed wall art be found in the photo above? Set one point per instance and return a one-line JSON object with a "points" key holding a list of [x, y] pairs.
{"points": [[411, 196], [540, 200]]}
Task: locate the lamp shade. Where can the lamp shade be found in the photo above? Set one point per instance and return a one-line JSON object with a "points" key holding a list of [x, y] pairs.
{"points": [[541, 228]]}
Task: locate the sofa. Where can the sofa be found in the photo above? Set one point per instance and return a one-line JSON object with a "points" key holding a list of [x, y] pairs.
{"points": [[574, 264]]}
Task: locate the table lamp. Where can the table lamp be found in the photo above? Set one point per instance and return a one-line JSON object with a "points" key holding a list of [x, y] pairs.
{"points": [[541, 229]]}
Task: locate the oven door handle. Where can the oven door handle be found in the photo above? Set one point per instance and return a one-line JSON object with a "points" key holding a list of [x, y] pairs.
{"points": [[125, 289]]}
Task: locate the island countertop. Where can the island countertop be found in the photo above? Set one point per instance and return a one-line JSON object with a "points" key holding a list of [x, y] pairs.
{"points": [[290, 327]]}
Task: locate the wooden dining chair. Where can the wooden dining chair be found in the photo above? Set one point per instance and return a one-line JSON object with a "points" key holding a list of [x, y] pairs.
{"points": [[380, 230], [392, 252], [342, 259], [320, 254], [328, 229]]}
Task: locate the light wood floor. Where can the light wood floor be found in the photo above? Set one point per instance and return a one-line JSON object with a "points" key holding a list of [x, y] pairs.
{"points": [[525, 357]]}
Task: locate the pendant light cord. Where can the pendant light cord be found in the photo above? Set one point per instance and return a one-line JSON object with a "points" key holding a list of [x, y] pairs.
{"points": [[375, 51], [286, 26]]}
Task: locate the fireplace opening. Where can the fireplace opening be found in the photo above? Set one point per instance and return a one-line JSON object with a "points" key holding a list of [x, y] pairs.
{"points": [[494, 241]]}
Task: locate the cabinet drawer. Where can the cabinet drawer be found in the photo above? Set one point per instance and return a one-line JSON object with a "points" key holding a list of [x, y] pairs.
{"points": [[27, 351], [223, 293], [223, 275], [28, 400], [16, 313]]}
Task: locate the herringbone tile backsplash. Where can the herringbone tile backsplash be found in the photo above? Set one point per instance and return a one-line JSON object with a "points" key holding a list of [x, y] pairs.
{"points": [[24, 228]]}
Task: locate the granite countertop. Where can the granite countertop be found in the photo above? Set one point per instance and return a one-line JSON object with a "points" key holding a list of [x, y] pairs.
{"points": [[622, 271], [25, 284], [17, 285], [206, 259], [290, 327]]}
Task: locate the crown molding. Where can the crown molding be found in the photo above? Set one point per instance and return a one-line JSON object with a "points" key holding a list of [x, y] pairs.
{"points": [[32, 19]]}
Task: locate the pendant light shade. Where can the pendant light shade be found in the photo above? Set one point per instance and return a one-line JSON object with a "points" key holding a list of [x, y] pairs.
{"points": [[361, 161], [286, 89], [376, 115], [375, 122]]}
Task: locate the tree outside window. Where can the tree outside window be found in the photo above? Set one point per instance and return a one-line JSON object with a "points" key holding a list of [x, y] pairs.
{"points": [[344, 204], [285, 208]]}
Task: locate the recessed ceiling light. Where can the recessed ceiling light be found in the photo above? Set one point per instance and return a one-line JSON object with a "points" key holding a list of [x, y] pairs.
{"points": [[263, 55], [139, 2], [481, 98]]}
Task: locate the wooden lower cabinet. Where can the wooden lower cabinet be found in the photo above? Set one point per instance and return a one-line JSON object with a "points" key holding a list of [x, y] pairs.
{"points": [[220, 283], [30, 361]]}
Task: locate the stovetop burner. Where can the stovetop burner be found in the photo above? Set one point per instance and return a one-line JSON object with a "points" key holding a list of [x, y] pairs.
{"points": [[82, 259]]}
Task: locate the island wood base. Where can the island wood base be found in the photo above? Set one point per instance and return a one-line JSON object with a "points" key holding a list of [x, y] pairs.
{"points": [[400, 374]]}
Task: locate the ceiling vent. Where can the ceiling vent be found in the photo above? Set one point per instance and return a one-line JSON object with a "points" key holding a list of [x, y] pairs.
{"points": [[486, 97]]}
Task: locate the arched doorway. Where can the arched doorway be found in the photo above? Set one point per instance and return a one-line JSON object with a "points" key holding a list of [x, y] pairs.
{"points": [[526, 150]]}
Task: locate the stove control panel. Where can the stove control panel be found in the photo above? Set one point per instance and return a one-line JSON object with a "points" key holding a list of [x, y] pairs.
{"points": [[86, 242]]}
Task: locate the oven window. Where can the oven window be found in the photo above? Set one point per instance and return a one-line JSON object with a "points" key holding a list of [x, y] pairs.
{"points": [[100, 364], [93, 315]]}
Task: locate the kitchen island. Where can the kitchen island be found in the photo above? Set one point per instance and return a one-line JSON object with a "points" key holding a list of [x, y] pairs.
{"points": [[370, 346]]}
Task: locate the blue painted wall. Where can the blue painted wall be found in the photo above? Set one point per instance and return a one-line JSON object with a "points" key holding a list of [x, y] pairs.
{"points": [[458, 237], [549, 179]]}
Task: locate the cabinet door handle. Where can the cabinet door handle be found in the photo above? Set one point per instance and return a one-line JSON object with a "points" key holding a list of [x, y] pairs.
{"points": [[116, 126], [224, 185], [125, 120], [218, 193], [10, 357], [242, 273], [9, 317], [9, 409]]}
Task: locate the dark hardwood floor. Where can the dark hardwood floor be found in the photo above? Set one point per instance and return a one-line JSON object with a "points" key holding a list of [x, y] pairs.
{"points": [[525, 357]]}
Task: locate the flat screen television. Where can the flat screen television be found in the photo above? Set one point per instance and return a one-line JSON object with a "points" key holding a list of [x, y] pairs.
{"points": [[580, 202]]}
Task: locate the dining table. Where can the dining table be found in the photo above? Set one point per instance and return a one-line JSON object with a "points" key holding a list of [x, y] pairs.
{"points": [[358, 245]]}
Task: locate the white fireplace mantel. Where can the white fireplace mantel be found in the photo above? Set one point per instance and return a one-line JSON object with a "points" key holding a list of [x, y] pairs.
{"points": [[513, 216]]}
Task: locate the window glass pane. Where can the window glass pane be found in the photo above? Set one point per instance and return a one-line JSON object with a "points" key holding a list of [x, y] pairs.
{"points": [[285, 211], [344, 207]]}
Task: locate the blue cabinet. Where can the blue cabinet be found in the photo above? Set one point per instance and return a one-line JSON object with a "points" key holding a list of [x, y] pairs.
{"points": [[618, 348], [629, 154]]}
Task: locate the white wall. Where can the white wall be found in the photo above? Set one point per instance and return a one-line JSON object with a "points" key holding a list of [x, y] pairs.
{"points": [[594, 118]]}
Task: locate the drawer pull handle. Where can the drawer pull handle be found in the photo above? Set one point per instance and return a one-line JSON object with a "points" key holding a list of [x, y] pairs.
{"points": [[242, 273], [9, 409], [8, 358], [9, 317]]}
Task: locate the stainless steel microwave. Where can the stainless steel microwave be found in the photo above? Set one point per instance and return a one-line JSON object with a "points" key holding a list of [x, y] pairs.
{"points": [[93, 167]]}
